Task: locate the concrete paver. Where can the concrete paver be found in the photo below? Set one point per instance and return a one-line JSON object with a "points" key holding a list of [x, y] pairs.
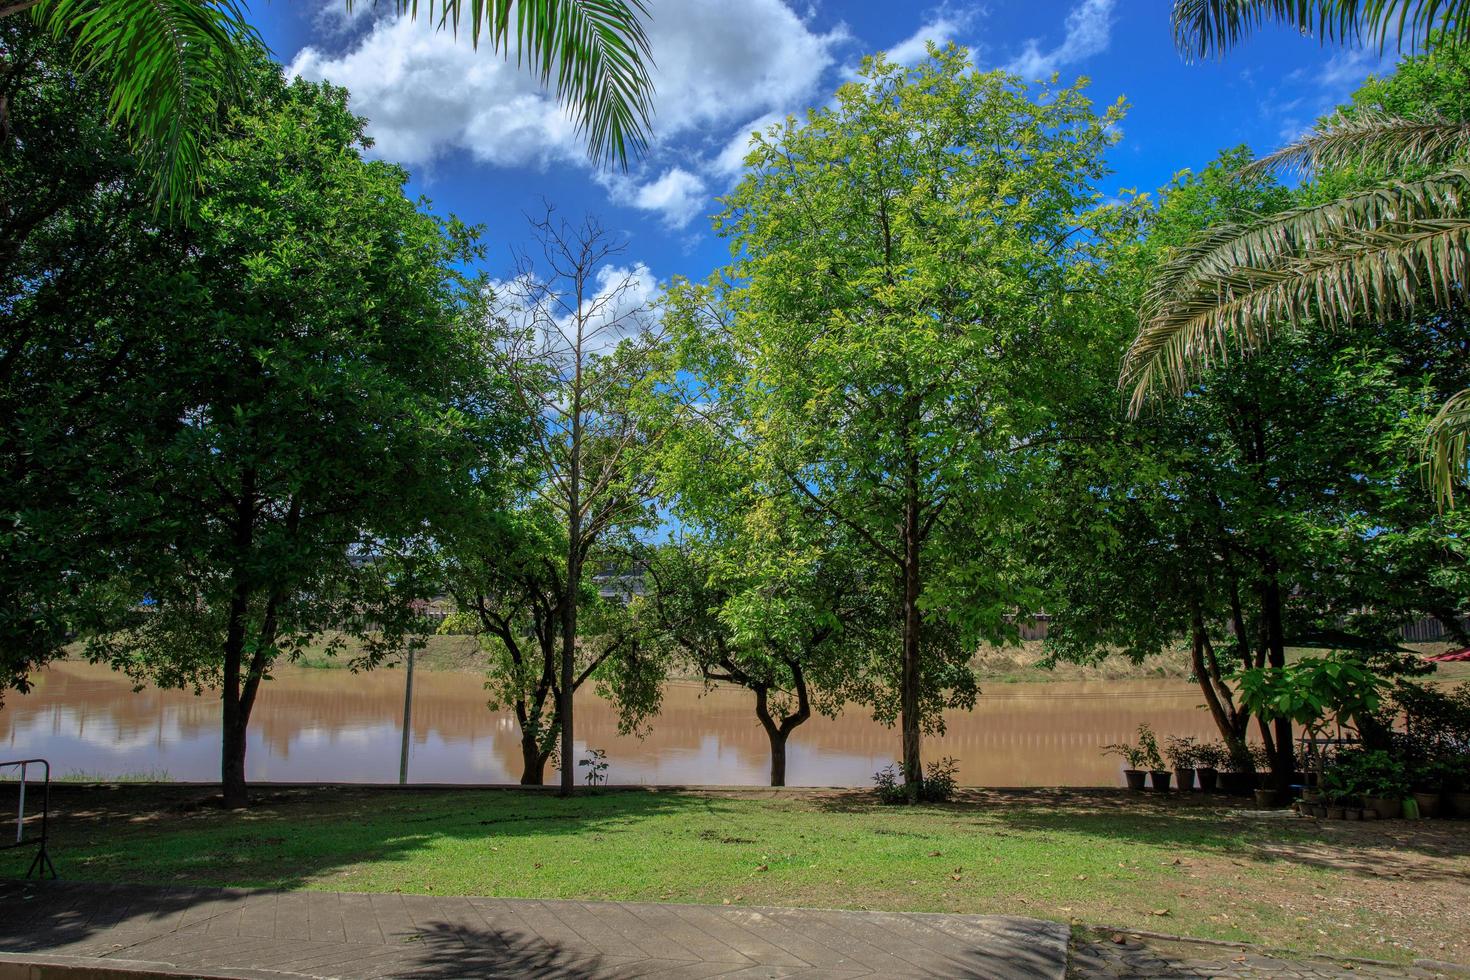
{"points": [[244, 932]]}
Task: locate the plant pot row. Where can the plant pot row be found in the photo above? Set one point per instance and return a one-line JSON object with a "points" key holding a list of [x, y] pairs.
{"points": [[1428, 804], [1206, 780]]}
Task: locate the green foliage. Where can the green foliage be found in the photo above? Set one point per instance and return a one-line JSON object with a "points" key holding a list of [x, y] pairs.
{"points": [[170, 67], [1312, 690], [937, 786], [1183, 752], [1212, 27], [1143, 755], [316, 415], [914, 267], [1358, 773]]}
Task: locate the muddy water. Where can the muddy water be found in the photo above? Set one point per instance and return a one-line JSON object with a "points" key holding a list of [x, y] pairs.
{"points": [[331, 725]]}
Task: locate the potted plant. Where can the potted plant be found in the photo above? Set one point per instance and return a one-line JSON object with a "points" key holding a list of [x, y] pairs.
{"points": [[1375, 776], [1457, 784], [1134, 758], [1237, 778], [1182, 751], [1158, 776], [1208, 758], [1428, 787]]}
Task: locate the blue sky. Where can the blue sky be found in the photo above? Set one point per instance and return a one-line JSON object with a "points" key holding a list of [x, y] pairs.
{"points": [[483, 141]]}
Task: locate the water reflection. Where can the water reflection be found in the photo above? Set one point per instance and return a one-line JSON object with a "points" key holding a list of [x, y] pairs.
{"points": [[330, 725]]}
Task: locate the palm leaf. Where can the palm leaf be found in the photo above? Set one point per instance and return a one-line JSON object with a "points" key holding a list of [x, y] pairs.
{"points": [[1445, 445], [1375, 253], [596, 49], [1373, 140], [1203, 28], [168, 63]]}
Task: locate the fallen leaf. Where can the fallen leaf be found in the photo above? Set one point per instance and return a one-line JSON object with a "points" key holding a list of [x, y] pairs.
{"points": [[1119, 938], [1159, 912], [763, 867], [935, 854]]}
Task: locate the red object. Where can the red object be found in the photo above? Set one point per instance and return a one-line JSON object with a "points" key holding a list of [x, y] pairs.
{"points": [[1454, 656]]}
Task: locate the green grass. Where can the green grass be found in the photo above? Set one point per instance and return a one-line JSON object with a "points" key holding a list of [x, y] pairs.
{"points": [[1196, 870]]}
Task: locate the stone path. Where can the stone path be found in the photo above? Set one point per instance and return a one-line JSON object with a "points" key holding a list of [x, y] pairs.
{"points": [[1101, 957], [269, 934]]}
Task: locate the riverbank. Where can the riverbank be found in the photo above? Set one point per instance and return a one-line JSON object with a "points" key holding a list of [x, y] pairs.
{"points": [[1203, 868]]}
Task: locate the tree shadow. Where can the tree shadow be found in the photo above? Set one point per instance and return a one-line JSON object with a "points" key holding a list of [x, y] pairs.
{"points": [[290, 837]]}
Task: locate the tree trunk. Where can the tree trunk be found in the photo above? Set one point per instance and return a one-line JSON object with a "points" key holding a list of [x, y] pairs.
{"points": [[1283, 758], [533, 762], [232, 762], [913, 771], [779, 732]]}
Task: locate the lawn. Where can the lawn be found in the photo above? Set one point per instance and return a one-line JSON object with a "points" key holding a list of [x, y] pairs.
{"points": [[1393, 890]]}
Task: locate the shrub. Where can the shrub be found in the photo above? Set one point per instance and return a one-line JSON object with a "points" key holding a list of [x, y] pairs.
{"points": [[1144, 755], [1356, 772], [1182, 751], [936, 786], [1211, 755]]}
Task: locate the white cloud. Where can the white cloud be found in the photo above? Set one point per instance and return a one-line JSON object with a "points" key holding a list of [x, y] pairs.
{"points": [[1089, 29], [944, 28], [731, 158], [678, 196], [426, 93]]}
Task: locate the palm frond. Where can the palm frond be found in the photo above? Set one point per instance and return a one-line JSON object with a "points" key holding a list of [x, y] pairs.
{"points": [[1205, 28], [168, 64], [596, 49], [1373, 140], [1445, 446], [1376, 253]]}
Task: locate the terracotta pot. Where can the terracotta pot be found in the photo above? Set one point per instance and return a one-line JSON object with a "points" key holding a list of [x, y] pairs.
{"points": [[1369, 813], [1337, 813], [1386, 809], [1135, 778], [1353, 813], [1184, 779], [1209, 778], [1160, 779], [1428, 801], [1266, 798]]}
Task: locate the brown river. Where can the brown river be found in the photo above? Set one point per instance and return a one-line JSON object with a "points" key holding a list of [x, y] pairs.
{"points": [[334, 726]]}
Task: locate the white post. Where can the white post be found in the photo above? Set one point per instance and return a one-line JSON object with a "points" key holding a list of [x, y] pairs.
{"points": [[407, 721]]}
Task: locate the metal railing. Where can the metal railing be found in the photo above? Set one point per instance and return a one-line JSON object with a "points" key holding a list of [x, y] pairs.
{"points": [[41, 863]]}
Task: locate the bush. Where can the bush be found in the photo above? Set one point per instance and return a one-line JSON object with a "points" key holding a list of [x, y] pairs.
{"points": [[937, 785], [1182, 751], [1357, 773], [1144, 755], [1211, 755]]}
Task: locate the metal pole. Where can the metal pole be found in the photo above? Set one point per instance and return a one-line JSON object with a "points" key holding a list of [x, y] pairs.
{"points": [[407, 720], [20, 816]]}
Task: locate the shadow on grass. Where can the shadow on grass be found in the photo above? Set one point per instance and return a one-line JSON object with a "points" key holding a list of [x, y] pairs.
{"points": [[288, 838]]}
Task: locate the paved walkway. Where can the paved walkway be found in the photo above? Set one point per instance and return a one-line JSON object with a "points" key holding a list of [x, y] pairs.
{"points": [[1097, 956], [269, 934]]}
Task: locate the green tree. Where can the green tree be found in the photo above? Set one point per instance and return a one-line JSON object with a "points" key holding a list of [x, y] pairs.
{"points": [[1276, 505], [89, 289], [170, 65], [1393, 240], [329, 412], [912, 264]]}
